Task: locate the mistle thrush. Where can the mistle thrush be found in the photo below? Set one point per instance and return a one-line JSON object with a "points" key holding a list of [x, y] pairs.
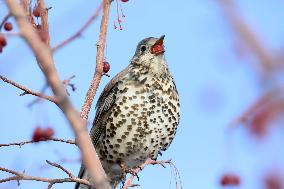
{"points": [[137, 113]]}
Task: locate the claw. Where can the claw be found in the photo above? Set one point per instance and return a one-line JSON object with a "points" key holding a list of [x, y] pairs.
{"points": [[131, 171]]}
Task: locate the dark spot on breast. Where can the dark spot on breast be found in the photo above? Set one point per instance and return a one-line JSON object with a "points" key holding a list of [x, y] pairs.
{"points": [[129, 127], [123, 137], [115, 114]]}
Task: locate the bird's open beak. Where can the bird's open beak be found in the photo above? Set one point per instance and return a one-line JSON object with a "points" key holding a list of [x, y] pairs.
{"points": [[158, 47]]}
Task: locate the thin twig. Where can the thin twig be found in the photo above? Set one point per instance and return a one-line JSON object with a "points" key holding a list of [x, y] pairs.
{"points": [[45, 87], [99, 62], [28, 91], [70, 39], [46, 64], [60, 167], [67, 82], [20, 144], [36, 100], [80, 31], [140, 168], [4, 20], [22, 176]]}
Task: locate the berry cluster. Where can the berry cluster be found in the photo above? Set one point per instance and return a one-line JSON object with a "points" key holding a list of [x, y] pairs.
{"points": [[230, 179], [42, 134], [3, 42]]}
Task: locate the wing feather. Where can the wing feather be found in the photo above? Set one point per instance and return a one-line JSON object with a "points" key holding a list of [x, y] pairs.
{"points": [[104, 104]]}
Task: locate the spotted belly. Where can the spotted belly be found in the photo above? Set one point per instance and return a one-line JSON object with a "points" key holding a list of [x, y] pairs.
{"points": [[139, 126]]}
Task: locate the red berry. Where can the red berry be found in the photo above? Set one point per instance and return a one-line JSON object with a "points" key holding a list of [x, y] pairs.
{"points": [[36, 11], [8, 26], [230, 179], [106, 66], [38, 134], [157, 49], [273, 181], [3, 41], [48, 133], [124, 1]]}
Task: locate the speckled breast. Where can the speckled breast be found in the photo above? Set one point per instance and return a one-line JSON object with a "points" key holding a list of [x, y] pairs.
{"points": [[142, 121]]}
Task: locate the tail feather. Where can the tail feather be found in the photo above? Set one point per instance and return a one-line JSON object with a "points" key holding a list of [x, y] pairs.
{"points": [[83, 174]]}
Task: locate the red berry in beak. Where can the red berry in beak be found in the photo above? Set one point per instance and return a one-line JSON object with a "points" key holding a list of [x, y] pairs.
{"points": [[158, 47]]}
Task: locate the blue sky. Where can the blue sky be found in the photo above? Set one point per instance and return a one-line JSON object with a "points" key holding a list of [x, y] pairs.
{"points": [[215, 84]]}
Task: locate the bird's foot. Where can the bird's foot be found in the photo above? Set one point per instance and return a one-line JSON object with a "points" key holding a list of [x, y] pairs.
{"points": [[125, 169]]}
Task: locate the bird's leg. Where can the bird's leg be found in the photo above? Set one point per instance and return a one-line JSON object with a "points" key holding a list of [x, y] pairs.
{"points": [[125, 169]]}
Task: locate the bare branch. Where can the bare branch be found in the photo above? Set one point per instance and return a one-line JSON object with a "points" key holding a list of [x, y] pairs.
{"points": [[80, 31], [20, 144], [99, 62], [22, 176], [60, 167], [28, 91], [45, 62]]}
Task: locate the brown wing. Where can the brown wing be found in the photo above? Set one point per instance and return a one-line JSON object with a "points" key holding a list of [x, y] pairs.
{"points": [[104, 104]]}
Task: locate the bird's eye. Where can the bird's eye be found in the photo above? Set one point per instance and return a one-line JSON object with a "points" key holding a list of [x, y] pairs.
{"points": [[143, 48]]}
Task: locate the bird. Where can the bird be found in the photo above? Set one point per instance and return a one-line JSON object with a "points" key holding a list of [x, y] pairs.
{"points": [[137, 114]]}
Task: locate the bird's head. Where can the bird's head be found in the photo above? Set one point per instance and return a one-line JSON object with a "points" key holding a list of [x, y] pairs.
{"points": [[149, 51]]}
